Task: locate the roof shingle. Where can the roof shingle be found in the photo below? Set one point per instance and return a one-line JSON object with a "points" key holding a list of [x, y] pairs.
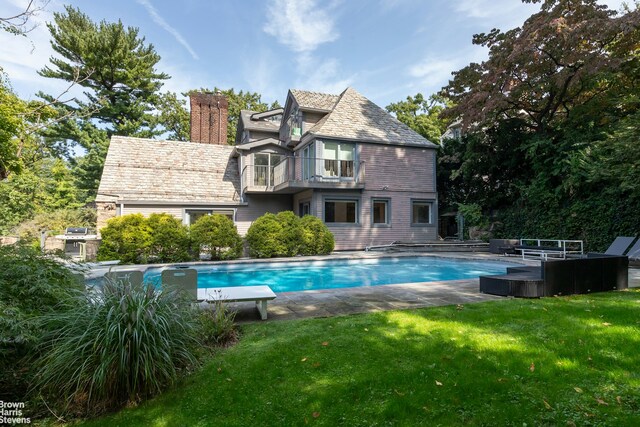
{"points": [[356, 117], [170, 171], [314, 100]]}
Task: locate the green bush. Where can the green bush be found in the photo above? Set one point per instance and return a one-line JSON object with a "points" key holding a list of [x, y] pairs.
{"points": [[316, 237], [55, 222], [169, 239], [265, 237], [286, 234], [219, 234], [125, 343], [126, 238], [217, 326], [31, 285], [291, 235]]}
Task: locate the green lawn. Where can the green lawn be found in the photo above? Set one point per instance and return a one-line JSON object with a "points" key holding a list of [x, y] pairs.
{"points": [[556, 361]]}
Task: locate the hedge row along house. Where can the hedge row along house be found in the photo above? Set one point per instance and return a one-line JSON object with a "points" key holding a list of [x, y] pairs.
{"points": [[342, 158]]}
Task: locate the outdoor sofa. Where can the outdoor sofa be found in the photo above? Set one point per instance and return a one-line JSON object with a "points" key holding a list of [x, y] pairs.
{"points": [[592, 273]]}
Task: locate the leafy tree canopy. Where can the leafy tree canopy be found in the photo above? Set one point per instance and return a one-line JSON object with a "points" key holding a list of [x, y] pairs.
{"points": [[562, 57], [423, 115]]}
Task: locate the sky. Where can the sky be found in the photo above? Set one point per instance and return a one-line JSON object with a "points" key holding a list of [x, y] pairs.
{"points": [[385, 49]]}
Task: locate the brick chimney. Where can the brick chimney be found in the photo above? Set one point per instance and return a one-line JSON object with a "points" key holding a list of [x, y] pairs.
{"points": [[209, 113]]}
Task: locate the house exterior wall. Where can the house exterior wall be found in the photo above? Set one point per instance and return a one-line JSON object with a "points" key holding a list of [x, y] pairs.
{"points": [[258, 205], [398, 175]]}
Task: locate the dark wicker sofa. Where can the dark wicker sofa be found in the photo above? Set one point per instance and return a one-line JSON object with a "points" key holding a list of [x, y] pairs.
{"points": [[592, 273]]}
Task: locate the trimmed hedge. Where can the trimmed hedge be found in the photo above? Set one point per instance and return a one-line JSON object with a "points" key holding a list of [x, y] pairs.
{"points": [[286, 235], [219, 234], [126, 238]]}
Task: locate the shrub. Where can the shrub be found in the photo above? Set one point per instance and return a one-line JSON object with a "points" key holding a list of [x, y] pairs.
{"points": [[316, 237], [126, 238], [31, 285], [169, 239], [217, 326], [54, 222], [125, 343], [219, 234], [265, 237], [291, 235]]}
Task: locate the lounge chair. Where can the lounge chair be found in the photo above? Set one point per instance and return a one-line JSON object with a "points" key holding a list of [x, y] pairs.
{"points": [[620, 245], [183, 278], [634, 252], [133, 277]]}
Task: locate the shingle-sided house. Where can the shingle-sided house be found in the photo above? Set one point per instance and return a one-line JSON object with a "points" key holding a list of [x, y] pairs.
{"points": [[342, 158]]}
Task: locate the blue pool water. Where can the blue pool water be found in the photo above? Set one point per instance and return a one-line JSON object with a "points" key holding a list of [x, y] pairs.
{"points": [[311, 275]]}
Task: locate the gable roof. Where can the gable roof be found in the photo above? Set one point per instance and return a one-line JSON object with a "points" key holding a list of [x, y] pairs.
{"points": [[150, 170], [356, 117], [314, 100]]}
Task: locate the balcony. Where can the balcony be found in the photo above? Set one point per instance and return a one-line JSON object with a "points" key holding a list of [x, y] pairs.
{"points": [[293, 174]]}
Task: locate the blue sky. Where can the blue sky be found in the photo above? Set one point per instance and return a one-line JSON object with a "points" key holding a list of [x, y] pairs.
{"points": [[386, 49]]}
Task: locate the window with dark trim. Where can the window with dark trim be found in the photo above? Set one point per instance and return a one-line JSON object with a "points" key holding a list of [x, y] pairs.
{"points": [[421, 212], [380, 212], [192, 215], [341, 211]]}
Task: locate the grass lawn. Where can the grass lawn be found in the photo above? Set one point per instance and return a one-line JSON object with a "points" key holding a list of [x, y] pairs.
{"points": [[556, 361]]}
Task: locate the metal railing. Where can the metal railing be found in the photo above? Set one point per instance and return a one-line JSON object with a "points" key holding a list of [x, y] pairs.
{"points": [[300, 169]]}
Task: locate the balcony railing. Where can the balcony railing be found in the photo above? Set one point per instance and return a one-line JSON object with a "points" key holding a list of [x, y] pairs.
{"points": [[304, 172]]}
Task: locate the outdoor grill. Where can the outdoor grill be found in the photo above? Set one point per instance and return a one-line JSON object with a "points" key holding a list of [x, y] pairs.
{"points": [[75, 245]]}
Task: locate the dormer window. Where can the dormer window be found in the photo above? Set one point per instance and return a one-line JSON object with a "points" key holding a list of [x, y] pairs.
{"points": [[296, 122]]}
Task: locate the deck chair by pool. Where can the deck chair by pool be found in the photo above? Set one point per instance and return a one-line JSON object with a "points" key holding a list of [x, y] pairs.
{"points": [[619, 246], [634, 252], [182, 278], [133, 277]]}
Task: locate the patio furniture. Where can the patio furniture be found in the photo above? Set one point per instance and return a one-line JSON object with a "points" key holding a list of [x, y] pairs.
{"points": [[260, 294], [182, 278], [619, 246], [133, 277], [549, 248], [594, 273], [503, 246], [634, 252]]}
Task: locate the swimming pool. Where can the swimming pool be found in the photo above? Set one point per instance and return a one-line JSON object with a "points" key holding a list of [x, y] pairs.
{"points": [[331, 274]]}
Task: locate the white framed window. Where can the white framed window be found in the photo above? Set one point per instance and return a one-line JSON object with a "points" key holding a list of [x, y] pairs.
{"points": [[380, 212], [338, 160], [263, 168], [421, 212], [192, 215], [308, 161]]}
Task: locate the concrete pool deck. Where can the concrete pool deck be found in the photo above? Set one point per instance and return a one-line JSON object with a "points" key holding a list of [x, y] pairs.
{"points": [[344, 301]]}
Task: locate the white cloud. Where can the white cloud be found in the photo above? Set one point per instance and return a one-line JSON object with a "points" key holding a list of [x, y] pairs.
{"points": [[300, 24], [168, 28], [322, 75]]}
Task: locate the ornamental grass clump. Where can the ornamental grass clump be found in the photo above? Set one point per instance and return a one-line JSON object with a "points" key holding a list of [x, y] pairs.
{"points": [[124, 344]]}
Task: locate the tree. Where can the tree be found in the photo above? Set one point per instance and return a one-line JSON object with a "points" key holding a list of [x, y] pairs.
{"points": [[11, 123], [18, 24], [423, 115], [117, 70], [539, 73], [237, 102]]}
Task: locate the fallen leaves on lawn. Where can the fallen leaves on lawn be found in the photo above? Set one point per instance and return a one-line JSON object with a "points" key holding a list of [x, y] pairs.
{"points": [[316, 364], [398, 393], [325, 343], [438, 383], [532, 367], [601, 402], [315, 414], [578, 389], [459, 307], [606, 324], [619, 400], [304, 359], [546, 404]]}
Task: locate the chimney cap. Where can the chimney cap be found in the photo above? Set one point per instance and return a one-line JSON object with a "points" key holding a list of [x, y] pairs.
{"points": [[204, 98]]}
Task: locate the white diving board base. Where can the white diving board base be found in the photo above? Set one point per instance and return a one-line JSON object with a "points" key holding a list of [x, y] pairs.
{"points": [[260, 294]]}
